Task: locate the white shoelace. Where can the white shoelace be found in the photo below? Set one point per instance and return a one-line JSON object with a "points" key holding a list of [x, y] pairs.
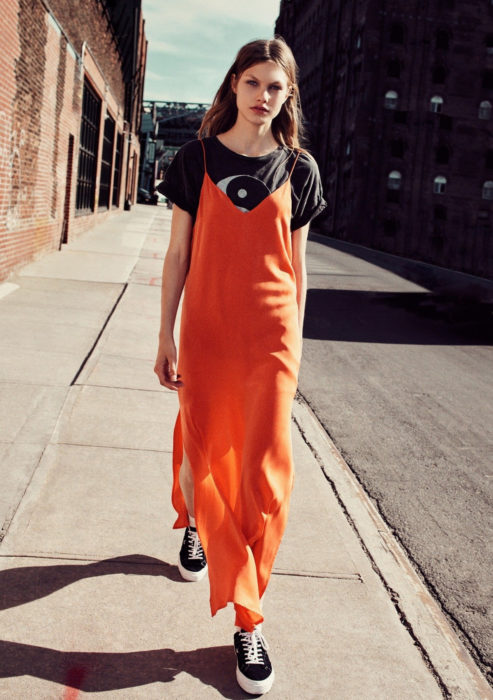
{"points": [[195, 550], [253, 643]]}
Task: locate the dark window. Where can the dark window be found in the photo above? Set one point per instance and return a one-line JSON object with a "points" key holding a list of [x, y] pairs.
{"points": [[117, 169], [488, 79], [390, 227], [393, 196], [438, 74], [396, 33], [106, 162], [445, 122], [442, 154], [442, 39], [440, 212], [489, 158], [88, 149], [483, 225], [400, 117], [397, 148], [394, 68]]}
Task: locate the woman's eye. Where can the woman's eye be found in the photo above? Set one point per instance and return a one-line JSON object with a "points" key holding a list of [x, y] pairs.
{"points": [[276, 87], [252, 82]]}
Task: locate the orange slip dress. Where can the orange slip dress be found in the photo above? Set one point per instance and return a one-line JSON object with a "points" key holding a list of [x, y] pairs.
{"points": [[239, 356]]}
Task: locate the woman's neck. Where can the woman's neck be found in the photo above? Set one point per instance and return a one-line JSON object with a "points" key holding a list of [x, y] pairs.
{"points": [[249, 140]]}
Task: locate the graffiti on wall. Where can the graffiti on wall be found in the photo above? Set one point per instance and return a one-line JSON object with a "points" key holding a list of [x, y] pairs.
{"points": [[12, 193]]}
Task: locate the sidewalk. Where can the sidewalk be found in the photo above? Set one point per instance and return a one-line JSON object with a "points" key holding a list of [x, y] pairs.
{"points": [[91, 601]]}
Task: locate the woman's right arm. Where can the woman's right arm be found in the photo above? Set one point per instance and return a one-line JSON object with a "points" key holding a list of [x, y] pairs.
{"points": [[175, 270]]}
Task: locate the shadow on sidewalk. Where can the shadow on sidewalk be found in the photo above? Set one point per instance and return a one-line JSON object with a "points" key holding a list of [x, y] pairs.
{"points": [[99, 672], [25, 584]]}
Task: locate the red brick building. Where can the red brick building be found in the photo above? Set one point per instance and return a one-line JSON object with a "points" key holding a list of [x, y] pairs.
{"points": [[72, 76], [398, 97]]}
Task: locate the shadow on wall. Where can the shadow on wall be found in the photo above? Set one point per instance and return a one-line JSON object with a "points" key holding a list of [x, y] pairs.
{"points": [[449, 283], [413, 318]]}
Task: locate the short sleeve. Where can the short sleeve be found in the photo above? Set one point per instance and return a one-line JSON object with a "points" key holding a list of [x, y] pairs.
{"points": [[307, 194], [183, 178]]}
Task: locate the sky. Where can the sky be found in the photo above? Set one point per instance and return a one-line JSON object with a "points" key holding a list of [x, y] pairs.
{"points": [[193, 43]]}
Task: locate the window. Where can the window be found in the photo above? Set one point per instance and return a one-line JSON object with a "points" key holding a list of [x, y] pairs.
{"points": [[489, 44], [397, 148], [439, 184], [358, 41], [488, 189], [436, 103], [440, 212], [394, 68], [484, 110], [445, 122], [348, 147], [391, 98], [394, 180], [106, 162], [483, 223], [117, 170], [442, 39], [488, 79], [442, 154], [438, 74], [396, 33], [390, 227], [88, 150]]}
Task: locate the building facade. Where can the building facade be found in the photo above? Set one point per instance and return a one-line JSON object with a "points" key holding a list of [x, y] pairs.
{"points": [[70, 106], [166, 126], [398, 99]]}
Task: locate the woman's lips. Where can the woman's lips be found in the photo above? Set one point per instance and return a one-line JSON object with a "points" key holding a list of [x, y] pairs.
{"points": [[261, 110]]}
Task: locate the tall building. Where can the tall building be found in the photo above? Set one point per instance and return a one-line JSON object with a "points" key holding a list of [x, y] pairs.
{"points": [[70, 107], [398, 100]]}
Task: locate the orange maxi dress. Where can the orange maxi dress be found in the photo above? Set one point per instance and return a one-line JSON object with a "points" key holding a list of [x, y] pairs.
{"points": [[239, 356]]}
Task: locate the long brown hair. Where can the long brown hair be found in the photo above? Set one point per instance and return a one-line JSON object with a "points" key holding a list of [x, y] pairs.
{"points": [[287, 127]]}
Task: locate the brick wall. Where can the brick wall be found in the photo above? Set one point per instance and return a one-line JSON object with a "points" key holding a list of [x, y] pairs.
{"points": [[44, 60]]}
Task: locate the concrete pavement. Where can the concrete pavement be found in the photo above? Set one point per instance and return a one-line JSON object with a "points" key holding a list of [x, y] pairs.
{"points": [[90, 597]]}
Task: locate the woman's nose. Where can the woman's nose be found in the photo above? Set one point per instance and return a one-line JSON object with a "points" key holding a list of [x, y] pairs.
{"points": [[263, 95]]}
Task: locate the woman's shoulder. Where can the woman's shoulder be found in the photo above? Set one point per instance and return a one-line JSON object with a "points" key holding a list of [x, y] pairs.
{"points": [[191, 148], [305, 162]]}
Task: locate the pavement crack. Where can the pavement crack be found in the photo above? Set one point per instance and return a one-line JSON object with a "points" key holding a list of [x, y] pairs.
{"points": [[96, 341]]}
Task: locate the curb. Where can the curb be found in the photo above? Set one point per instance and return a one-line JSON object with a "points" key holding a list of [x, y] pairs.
{"points": [[450, 662]]}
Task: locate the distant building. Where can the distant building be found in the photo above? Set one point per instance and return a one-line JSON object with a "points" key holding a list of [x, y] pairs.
{"points": [[398, 98], [72, 76], [166, 126]]}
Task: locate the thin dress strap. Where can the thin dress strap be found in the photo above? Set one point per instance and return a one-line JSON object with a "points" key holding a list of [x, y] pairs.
{"points": [[292, 167], [205, 159]]}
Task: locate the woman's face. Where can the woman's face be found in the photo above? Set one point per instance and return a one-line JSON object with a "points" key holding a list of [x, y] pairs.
{"points": [[261, 91]]}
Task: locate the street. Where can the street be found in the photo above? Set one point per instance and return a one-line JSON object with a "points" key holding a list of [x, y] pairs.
{"points": [[402, 383], [90, 596]]}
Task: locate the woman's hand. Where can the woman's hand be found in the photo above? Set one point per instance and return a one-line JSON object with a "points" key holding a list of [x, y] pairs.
{"points": [[165, 366]]}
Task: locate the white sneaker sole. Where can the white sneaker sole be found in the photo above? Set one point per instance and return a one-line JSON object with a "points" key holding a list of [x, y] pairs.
{"points": [[254, 687], [191, 575]]}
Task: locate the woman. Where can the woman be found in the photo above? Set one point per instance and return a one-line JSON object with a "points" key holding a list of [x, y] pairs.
{"points": [[244, 194]]}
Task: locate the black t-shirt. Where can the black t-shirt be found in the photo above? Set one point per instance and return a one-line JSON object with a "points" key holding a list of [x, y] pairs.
{"points": [[246, 180]]}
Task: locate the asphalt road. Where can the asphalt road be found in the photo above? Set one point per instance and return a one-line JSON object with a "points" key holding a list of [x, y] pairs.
{"points": [[402, 381]]}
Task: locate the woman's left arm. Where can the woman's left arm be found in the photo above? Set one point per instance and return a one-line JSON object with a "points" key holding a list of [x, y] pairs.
{"points": [[299, 239]]}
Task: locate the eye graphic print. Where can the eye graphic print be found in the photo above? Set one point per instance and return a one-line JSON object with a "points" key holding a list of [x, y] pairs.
{"points": [[244, 191]]}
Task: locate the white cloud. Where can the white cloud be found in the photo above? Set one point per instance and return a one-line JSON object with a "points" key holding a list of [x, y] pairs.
{"points": [[192, 43]]}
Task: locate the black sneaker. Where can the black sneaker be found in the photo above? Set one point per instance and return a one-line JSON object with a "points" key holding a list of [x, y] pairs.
{"points": [[254, 671], [192, 563]]}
